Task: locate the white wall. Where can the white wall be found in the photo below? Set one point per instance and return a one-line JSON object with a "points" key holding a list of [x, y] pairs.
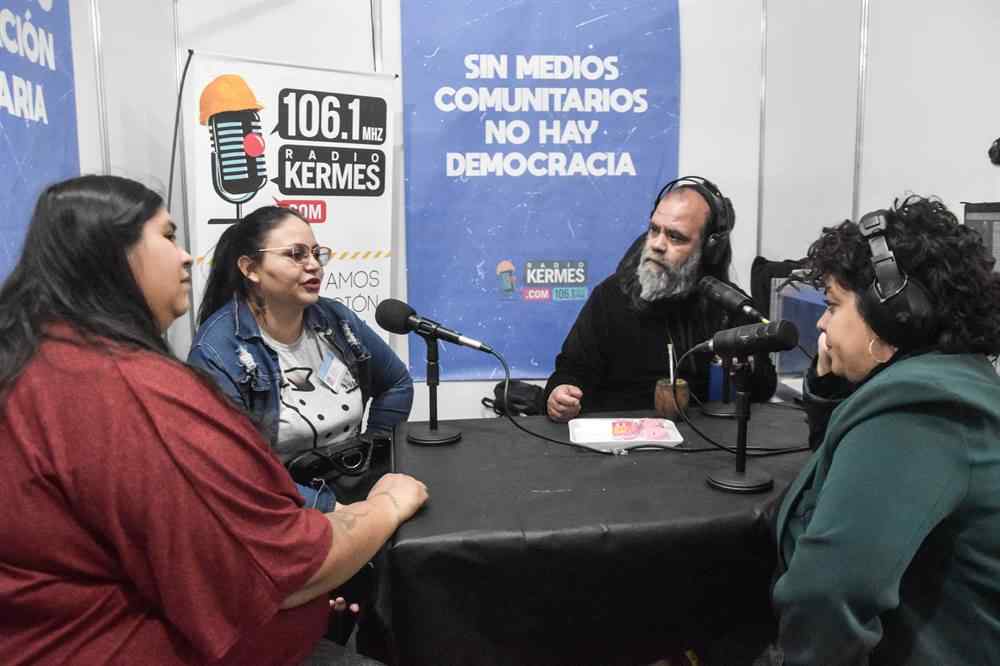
{"points": [[319, 33], [720, 102], [930, 110], [929, 116], [933, 102], [810, 119], [87, 115], [132, 45]]}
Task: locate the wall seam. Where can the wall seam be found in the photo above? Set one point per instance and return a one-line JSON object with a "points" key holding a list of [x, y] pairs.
{"points": [[182, 162], [102, 104], [376, 9], [859, 123], [762, 126]]}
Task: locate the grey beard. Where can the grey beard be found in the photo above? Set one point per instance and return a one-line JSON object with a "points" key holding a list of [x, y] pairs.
{"points": [[670, 282]]}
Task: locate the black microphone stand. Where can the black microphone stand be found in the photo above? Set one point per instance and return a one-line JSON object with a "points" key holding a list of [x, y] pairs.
{"points": [[722, 408], [741, 481], [431, 435]]}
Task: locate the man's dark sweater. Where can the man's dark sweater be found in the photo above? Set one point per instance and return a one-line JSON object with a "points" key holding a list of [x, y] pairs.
{"points": [[615, 353]]}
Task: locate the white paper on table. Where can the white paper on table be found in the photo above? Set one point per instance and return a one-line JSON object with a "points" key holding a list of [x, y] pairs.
{"points": [[624, 433]]}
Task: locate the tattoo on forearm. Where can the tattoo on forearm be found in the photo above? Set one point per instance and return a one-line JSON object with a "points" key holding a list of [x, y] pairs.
{"points": [[347, 520]]}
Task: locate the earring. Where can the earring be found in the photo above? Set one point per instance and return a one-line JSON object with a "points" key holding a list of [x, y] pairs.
{"points": [[871, 344]]}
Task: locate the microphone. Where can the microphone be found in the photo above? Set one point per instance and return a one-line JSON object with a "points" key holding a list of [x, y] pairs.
{"points": [[729, 297], [398, 317], [752, 339], [239, 169]]}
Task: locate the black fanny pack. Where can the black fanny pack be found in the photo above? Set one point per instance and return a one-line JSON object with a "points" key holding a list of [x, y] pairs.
{"points": [[350, 457], [524, 399]]}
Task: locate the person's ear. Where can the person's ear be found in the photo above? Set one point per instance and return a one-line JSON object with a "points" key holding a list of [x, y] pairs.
{"points": [[248, 267]]}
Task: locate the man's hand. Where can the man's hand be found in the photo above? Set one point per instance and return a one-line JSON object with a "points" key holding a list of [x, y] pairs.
{"points": [[822, 356], [406, 493], [564, 402]]}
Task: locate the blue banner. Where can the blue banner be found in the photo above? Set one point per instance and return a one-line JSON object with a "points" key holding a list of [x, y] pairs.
{"points": [[537, 135], [38, 143]]}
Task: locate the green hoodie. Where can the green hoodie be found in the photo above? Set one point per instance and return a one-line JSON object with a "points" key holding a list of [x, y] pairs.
{"points": [[891, 533]]}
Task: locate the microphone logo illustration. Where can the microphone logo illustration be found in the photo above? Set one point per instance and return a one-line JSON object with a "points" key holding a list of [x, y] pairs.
{"points": [[239, 170], [508, 281]]}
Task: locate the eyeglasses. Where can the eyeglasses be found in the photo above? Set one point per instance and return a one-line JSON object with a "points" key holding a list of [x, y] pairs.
{"points": [[300, 253]]}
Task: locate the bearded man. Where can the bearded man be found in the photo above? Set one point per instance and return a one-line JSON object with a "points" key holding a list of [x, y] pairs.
{"points": [[617, 348]]}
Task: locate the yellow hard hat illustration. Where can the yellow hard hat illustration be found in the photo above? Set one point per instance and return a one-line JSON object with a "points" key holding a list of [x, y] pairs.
{"points": [[505, 265], [228, 92]]}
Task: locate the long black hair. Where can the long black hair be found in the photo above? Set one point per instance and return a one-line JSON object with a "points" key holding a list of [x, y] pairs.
{"points": [[74, 269], [244, 238]]}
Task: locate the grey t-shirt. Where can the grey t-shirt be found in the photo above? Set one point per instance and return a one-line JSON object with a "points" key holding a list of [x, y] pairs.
{"points": [[320, 398]]}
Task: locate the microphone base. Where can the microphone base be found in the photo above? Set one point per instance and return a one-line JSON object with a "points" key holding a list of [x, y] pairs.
{"points": [[422, 435], [731, 481], [223, 220], [719, 409]]}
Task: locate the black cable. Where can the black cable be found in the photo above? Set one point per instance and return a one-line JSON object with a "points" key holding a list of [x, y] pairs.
{"points": [[177, 121], [506, 409], [763, 451], [619, 452]]}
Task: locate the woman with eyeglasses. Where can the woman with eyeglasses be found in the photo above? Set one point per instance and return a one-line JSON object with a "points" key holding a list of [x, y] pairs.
{"points": [[303, 366], [145, 519]]}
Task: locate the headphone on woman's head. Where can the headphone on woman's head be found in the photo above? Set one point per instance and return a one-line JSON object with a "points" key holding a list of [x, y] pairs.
{"points": [[721, 219], [896, 306]]}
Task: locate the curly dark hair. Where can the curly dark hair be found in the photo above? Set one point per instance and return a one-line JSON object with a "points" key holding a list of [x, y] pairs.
{"points": [[947, 258]]}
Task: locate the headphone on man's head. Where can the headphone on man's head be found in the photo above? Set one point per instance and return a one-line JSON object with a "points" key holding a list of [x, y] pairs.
{"points": [[896, 306], [721, 219]]}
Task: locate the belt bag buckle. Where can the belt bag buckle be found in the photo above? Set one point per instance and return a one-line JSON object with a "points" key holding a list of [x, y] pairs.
{"points": [[350, 457]]}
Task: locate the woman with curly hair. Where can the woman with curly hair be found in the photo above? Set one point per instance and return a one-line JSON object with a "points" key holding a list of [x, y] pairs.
{"points": [[889, 539]]}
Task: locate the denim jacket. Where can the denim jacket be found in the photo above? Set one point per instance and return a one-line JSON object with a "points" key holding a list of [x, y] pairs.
{"points": [[229, 347]]}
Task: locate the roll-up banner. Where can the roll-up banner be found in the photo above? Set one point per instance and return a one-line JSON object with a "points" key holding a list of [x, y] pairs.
{"points": [[319, 142], [38, 141], [537, 135]]}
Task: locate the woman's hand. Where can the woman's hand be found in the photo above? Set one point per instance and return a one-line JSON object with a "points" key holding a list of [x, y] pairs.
{"points": [[822, 356], [407, 494], [339, 605], [343, 617], [359, 530]]}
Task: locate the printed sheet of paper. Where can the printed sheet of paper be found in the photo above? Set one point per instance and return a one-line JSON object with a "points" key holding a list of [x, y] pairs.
{"points": [[613, 434]]}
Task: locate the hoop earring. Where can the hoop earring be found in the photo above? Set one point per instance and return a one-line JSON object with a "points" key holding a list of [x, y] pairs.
{"points": [[871, 344]]}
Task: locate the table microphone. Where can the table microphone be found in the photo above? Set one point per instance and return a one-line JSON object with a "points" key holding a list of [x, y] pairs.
{"points": [[398, 317], [729, 297], [752, 339]]}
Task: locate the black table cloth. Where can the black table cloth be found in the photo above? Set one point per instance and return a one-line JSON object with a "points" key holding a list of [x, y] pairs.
{"points": [[533, 553]]}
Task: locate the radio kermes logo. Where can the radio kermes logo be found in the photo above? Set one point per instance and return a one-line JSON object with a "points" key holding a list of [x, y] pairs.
{"points": [[552, 273], [557, 280]]}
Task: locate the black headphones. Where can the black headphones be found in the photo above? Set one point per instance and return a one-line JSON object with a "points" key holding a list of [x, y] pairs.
{"points": [[896, 306], [720, 221]]}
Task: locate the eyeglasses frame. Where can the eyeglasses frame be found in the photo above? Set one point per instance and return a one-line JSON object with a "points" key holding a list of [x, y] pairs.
{"points": [[312, 252]]}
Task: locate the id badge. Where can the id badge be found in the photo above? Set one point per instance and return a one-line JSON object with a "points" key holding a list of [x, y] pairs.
{"points": [[335, 375]]}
